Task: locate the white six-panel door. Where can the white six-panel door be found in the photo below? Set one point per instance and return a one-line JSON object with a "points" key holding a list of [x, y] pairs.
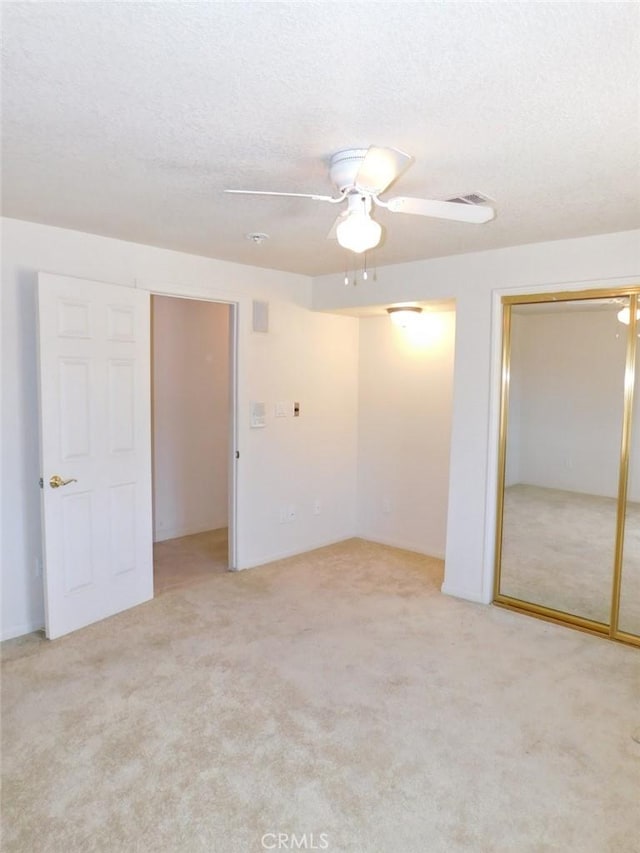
{"points": [[96, 433]]}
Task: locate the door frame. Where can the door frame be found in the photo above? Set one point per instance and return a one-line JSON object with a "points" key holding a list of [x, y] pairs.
{"points": [[232, 469]]}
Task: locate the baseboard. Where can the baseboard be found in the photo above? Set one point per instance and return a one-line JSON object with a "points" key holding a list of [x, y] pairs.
{"points": [[294, 552], [187, 530], [283, 555], [20, 630], [404, 545], [455, 592]]}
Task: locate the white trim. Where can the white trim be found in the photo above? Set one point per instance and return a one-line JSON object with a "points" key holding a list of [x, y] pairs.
{"points": [[234, 302], [232, 485], [403, 546], [294, 552], [495, 384], [445, 589], [198, 292], [187, 530], [552, 287], [283, 555], [21, 630]]}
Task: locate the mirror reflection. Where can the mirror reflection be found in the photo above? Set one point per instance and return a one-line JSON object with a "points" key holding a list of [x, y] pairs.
{"points": [[564, 425], [629, 614]]}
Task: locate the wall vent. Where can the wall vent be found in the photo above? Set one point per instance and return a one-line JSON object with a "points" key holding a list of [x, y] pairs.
{"points": [[260, 316]]}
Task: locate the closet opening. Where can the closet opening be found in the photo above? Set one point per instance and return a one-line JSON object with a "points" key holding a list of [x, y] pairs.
{"points": [[193, 447], [568, 519]]}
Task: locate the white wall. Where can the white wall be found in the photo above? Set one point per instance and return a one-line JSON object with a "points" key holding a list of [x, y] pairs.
{"points": [[308, 357], [405, 407], [565, 416], [191, 448], [475, 281], [305, 356], [311, 359]]}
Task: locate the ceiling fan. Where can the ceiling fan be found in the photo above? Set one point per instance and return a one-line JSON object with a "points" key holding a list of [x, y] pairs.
{"points": [[361, 175]]}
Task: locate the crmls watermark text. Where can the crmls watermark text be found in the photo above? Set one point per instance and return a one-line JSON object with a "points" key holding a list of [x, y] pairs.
{"points": [[291, 841]]}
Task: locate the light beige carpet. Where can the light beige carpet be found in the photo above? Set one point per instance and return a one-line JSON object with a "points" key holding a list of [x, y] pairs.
{"points": [[188, 559], [558, 550], [337, 692]]}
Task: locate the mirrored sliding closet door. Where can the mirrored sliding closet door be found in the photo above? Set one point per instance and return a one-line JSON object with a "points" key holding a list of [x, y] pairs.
{"points": [[628, 618], [564, 451]]}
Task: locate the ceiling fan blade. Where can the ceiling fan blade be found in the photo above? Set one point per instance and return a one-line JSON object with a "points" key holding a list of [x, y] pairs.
{"points": [[380, 167], [474, 213], [296, 195], [333, 231]]}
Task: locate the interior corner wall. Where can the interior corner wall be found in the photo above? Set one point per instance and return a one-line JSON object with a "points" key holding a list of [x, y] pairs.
{"points": [[476, 280], [191, 364], [404, 431]]}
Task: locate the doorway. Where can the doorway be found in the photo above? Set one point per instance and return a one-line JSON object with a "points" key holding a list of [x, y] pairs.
{"points": [[193, 439]]}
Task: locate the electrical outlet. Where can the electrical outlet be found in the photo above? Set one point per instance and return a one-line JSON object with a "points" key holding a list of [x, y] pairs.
{"points": [[291, 513], [317, 507], [284, 515]]}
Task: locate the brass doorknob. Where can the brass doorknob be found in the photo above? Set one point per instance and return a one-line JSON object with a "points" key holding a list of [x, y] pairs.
{"points": [[56, 481]]}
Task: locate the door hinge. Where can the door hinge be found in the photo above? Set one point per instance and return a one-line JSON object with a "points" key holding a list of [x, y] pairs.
{"points": [[41, 483], [237, 454]]}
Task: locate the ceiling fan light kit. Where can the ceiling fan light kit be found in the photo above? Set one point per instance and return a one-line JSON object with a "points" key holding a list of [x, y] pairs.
{"points": [[356, 230], [359, 233], [360, 176]]}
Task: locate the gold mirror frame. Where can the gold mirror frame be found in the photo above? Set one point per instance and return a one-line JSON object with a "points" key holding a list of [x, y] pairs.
{"points": [[610, 630]]}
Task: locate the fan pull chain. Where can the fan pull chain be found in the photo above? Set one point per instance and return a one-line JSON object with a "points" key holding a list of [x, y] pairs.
{"points": [[365, 273]]}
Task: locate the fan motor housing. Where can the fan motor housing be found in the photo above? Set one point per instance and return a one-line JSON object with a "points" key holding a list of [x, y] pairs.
{"points": [[345, 166]]}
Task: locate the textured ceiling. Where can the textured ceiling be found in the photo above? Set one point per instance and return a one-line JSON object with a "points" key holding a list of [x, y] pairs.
{"points": [[129, 119]]}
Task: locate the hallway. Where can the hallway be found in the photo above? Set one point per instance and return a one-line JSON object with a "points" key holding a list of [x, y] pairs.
{"points": [[178, 563]]}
